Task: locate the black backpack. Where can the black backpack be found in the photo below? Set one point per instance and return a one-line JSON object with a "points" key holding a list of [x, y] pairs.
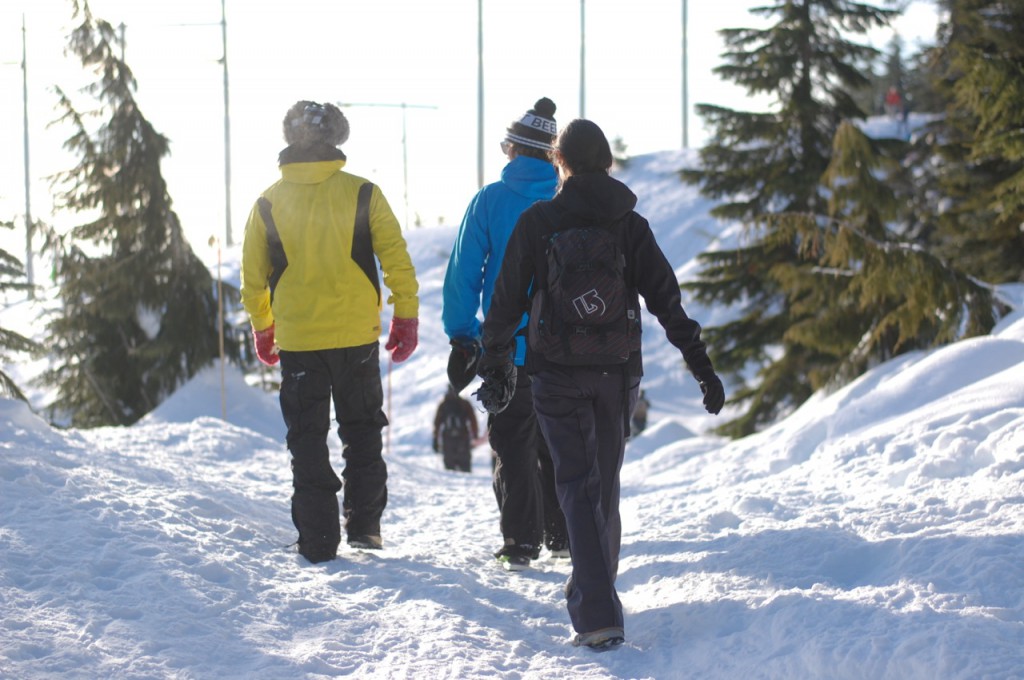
{"points": [[453, 419], [583, 316]]}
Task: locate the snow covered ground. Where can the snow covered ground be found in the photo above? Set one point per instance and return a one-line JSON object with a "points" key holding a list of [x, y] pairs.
{"points": [[875, 533]]}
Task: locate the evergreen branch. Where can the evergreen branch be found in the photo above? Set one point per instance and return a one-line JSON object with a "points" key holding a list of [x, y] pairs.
{"points": [[8, 388]]}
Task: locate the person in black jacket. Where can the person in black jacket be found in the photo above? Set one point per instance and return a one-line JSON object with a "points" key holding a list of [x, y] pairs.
{"points": [[583, 410], [455, 430]]}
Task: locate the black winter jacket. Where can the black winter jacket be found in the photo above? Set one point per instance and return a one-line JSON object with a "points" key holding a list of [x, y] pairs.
{"points": [[589, 200]]}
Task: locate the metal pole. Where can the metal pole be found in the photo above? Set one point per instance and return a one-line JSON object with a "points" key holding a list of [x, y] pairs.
{"points": [[227, 128], [390, 413], [405, 167], [686, 104], [220, 330], [405, 161], [480, 94], [227, 114], [583, 59], [28, 193]]}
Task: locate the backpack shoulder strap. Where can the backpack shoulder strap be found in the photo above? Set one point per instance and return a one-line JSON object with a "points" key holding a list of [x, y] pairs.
{"points": [[362, 244]]}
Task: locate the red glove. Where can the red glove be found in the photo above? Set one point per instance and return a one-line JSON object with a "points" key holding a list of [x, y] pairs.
{"points": [[266, 350], [402, 338]]}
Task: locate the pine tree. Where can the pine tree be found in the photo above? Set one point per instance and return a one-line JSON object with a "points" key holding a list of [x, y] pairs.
{"points": [[919, 80], [982, 139], [770, 163], [878, 294], [12, 279], [139, 308]]}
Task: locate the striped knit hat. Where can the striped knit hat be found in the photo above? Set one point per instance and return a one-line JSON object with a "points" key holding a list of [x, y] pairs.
{"points": [[537, 127]]}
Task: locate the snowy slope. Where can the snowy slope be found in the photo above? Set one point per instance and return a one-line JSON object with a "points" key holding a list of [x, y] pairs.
{"points": [[875, 533]]}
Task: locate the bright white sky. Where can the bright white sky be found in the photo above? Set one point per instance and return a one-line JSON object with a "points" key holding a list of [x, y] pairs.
{"points": [[387, 52]]}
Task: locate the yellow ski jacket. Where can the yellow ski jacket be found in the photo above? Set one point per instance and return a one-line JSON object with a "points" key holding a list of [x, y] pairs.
{"points": [[321, 298]]}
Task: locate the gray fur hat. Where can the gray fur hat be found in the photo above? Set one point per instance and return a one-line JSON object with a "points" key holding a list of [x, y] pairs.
{"points": [[308, 123]]}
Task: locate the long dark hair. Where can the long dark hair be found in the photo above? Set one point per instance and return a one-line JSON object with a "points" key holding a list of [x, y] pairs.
{"points": [[583, 147]]}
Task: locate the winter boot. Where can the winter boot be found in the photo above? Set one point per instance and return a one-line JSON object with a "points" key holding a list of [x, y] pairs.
{"points": [[365, 542], [516, 557], [600, 640]]}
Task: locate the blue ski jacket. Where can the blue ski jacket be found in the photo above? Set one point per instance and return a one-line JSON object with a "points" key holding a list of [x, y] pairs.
{"points": [[480, 245]]}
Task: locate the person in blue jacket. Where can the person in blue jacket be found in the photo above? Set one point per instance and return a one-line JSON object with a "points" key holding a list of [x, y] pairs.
{"points": [[523, 476]]}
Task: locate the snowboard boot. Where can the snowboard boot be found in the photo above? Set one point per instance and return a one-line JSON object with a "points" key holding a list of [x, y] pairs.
{"points": [[559, 549], [365, 542], [516, 557], [600, 640]]}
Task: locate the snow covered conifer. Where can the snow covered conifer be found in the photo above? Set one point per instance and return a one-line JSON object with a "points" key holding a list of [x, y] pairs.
{"points": [[879, 294], [140, 313], [765, 164], [11, 279], [982, 139]]}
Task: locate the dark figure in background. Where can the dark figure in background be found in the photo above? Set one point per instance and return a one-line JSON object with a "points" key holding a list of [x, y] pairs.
{"points": [[583, 408], [455, 430], [639, 419]]}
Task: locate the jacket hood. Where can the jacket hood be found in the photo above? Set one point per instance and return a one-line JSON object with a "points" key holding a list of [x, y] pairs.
{"points": [[308, 154], [310, 165], [310, 173], [595, 197], [530, 177]]}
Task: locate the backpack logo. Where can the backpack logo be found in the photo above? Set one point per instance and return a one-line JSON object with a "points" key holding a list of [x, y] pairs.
{"points": [[589, 303], [583, 314]]}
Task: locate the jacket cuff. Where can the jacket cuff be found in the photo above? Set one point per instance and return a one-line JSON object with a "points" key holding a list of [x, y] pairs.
{"points": [[261, 323], [406, 309]]}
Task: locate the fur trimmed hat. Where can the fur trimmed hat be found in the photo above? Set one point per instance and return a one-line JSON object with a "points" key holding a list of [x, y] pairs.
{"points": [[309, 123], [536, 128]]}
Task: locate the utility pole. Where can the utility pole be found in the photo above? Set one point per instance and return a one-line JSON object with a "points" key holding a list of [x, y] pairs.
{"points": [[405, 152], [686, 103], [583, 59], [227, 127], [480, 93], [227, 115], [28, 193]]}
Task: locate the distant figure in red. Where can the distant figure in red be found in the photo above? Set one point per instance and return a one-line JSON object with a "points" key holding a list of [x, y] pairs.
{"points": [[893, 102]]}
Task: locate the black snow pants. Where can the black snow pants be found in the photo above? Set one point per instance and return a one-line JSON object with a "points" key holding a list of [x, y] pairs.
{"points": [[309, 381], [582, 413], [457, 451], [523, 479]]}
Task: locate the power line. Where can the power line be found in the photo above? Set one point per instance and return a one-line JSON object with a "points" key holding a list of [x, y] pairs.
{"points": [[405, 147]]}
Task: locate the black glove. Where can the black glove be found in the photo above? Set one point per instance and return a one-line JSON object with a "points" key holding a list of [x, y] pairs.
{"points": [[462, 362], [499, 386], [714, 393]]}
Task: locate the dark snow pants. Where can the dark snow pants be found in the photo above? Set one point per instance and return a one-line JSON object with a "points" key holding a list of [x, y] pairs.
{"points": [[309, 381], [523, 480], [457, 452], [581, 411]]}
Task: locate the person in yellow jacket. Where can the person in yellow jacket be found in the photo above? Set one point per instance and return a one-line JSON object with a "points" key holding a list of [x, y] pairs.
{"points": [[312, 293]]}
